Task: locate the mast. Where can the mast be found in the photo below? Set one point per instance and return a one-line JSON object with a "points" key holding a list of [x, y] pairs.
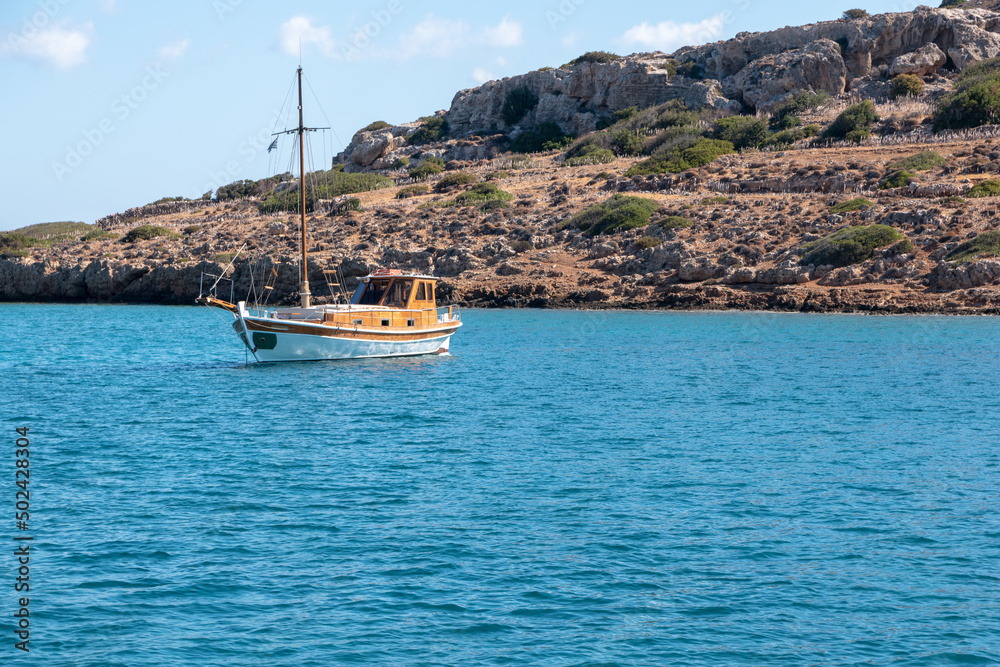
{"points": [[304, 282]]}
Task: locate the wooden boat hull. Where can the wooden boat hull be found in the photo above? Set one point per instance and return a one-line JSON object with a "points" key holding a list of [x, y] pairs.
{"points": [[280, 340]]}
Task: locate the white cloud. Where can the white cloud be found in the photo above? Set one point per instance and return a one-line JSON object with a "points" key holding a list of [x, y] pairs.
{"points": [[669, 36], [299, 30], [433, 37], [480, 75], [175, 50], [62, 47], [507, 33]]}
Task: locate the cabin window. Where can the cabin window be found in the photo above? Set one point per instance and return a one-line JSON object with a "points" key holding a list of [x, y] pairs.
{"points": [[430, 291], [373, 293], [411, 323], [421, 292], [398, 293], [385, 323]]}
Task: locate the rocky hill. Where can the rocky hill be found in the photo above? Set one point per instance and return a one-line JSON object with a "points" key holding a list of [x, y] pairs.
{"points": [[684, 180]]}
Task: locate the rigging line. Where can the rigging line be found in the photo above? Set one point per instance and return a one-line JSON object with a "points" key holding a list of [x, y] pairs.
{"points": [[323, 111]]}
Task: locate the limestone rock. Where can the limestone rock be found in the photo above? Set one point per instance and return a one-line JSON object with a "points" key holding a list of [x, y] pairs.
{"points": [[925, 60], [766, 82]]}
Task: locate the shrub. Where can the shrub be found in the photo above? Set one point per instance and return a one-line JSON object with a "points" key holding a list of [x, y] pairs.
{"points": [[855, 14], [850, 245], [453, 179], [483, 195], [101, 235], [690, 69], [990, 188], [616, 214], [674, 222], [647, 242], [904, 247], [974, 100], [169, 200], [146, 232], [522, 245], [545, 137], [401, 163], [857, 136], [377, 125], [670, 66], [496, 175], [433, 129], [325, 185], [906, 85], [987, 243], [426, 169], [682, 157], [896, 179], [953, 201], [14, 244], [851, 205], [594, 156], [716, 200], [593, 57], [952, 3], [412, 191], [224, 257], [919, 161], [798, 103], [853, 122], [517, 104], [786, 122], [742, 131], [191, 229], [627, 142]]}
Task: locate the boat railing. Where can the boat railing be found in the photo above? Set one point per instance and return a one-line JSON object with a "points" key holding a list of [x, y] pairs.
{"points": [[370, 317], [213, 290]]}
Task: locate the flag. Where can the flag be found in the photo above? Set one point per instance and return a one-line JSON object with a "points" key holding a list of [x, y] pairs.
{"points": [[274, 144]]}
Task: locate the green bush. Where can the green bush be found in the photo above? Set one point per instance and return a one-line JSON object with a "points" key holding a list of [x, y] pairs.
{"points": [[919, 161], [682, 157], [674, 222], [855, 14], [170, 200], [412, 191], [904, 247], [483, 195], [896, 179], [616, 214], [147, 232], [433, 129], [986, 244], [100, 235], [906, 84], [853, 122], [246, 188], [594, 156], [627, 142], [742, 131], [857, 136], [14, 244], [545, 137], [952, 201], [974, 100], [496, 175], [718, 200], [798, 103], [670, 66], [425, 169], [401, 163], [377, 125], [593, 57], [851, 205], [786, 123], [453, 179], [989, 188], [952, 3], [517, 104], [522, 245], [191, 229], [690, 69], [850, 245], [324, 185], [224, 257], [647, 242]]}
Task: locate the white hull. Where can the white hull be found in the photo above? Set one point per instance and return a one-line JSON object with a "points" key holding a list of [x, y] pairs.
{"points": [[303, 347]]}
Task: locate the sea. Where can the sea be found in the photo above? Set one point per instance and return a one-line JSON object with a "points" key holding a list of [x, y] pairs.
{"points": [[563, 488]]}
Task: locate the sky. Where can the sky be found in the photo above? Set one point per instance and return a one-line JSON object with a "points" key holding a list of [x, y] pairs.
{"points": [[110, 104]]}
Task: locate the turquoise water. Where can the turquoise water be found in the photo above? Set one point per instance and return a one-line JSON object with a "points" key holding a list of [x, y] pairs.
{"points": [[568, 488]]}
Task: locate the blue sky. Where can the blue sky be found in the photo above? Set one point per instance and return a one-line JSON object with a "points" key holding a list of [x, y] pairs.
{"points": [[109, 104]]}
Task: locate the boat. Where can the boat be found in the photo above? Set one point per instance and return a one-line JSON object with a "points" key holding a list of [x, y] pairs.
{"points": [[390, 314]]}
